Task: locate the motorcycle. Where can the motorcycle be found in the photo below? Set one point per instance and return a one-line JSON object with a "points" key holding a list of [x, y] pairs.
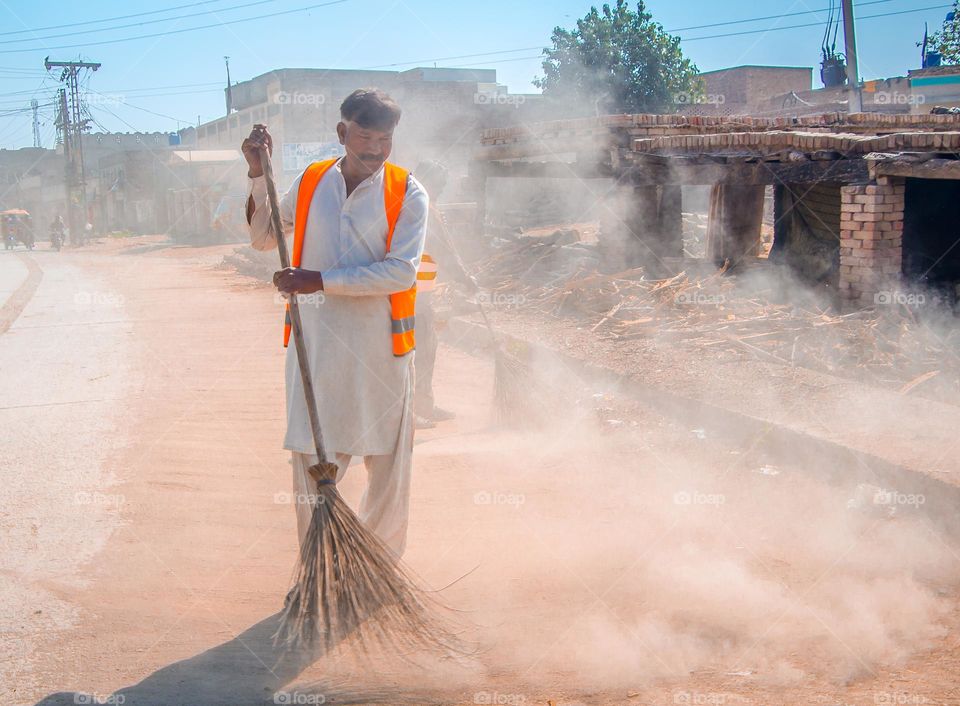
{"points": [[56, 238], [9, 241]]}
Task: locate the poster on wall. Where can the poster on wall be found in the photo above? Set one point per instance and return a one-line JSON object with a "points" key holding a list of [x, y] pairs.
{"points": [[298, 155]]}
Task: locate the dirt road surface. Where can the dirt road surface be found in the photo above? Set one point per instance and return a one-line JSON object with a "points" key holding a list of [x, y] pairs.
{"points": [[617, 557]]}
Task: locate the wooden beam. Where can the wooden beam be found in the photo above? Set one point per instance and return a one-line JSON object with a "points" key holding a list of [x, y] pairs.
{"points": [[927, 169], [685, 173]]}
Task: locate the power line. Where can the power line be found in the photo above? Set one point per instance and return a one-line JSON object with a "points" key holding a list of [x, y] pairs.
{"points": [[448, 58], [814, 24], [137, 24], [145, 110], [18, 69], [769, 17], [114, 93], [19, 111], [178, 31], [109, 19], [496, 61], [679, 29], [21, 93], [158, 88], [121, 98], [689, 39]]}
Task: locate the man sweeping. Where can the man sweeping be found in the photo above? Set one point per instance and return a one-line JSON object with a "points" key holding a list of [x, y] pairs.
{"points": [[358, 226]]}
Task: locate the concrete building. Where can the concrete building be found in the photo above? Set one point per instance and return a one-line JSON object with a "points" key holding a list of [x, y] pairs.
{"points": [[444, 110], [33, 179], [174, 191]]}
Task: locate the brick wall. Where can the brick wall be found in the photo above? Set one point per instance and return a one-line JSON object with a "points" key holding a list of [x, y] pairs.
{"points": [[748, 86], [871, 239]]}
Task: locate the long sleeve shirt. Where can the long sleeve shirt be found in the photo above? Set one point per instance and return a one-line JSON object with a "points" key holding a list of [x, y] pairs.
{"points": [[361, 386]]}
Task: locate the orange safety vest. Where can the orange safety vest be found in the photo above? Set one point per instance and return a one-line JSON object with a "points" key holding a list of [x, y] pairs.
{"points": [[402, 304], [426, 273]]}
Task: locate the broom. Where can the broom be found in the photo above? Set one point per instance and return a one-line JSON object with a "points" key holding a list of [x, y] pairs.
{"points": [[347, 580], [519, 397]]}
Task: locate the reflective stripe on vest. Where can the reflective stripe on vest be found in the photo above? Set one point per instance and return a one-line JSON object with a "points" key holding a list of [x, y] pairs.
{"points": [[402, 304], [426, 274]]}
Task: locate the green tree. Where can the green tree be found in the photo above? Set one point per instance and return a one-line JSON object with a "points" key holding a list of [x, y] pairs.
{"points": [[617, 60], [947, 39]]}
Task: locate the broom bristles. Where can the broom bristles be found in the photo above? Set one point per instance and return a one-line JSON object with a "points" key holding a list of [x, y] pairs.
{"points": [[350, 585], [520, 398]]}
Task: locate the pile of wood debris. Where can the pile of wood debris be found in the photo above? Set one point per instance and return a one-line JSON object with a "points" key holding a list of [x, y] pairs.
{"points": [[557, 277]]}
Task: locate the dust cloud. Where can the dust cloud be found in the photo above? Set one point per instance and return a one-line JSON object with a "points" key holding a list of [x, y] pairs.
{"points": [[628, 562], [618, 548]]}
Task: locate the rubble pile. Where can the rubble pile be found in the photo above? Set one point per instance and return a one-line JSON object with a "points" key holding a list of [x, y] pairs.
{"points": [[557, 277]]}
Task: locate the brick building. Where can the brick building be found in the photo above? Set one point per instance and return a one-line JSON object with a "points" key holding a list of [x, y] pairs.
{"points": [[864, 205], [771, 91], [739, 90]]}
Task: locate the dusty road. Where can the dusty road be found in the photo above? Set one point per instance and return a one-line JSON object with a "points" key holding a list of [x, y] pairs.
{"points": [[617, 557]]}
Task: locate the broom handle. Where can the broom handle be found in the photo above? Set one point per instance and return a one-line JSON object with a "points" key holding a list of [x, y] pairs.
{"points": [[296, 324], [456, 256]]}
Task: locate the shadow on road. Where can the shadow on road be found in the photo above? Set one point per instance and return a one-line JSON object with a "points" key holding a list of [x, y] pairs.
{"points": [[245, 671]]}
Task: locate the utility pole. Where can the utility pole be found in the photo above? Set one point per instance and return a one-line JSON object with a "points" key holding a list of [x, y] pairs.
{"points": [[73, 125], [64, 138], [34, 104], [226, 60], [855, 104]]}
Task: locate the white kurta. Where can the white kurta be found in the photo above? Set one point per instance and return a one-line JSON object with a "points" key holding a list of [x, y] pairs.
{"points": [[362, 388]]}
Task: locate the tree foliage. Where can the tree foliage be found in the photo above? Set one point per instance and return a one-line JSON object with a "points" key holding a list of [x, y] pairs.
{"points": [[947, 39], [617, 60]]}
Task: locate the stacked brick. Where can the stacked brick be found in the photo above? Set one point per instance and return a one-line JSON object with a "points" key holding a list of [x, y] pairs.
{"points": [[765, 143], [651, 125], [871, 239]]}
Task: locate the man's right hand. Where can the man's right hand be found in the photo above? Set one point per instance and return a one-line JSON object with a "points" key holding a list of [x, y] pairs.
{"points": [[259, 140]]}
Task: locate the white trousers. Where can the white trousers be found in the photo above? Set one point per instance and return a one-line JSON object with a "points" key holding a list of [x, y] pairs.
{"points": [[385, 506]]}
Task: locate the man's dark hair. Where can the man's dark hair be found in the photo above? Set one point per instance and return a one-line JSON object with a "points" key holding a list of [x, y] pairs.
{"points": [[371, 108]]}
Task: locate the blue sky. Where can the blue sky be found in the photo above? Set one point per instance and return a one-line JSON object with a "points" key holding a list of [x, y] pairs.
{"points": [[166, 82]]}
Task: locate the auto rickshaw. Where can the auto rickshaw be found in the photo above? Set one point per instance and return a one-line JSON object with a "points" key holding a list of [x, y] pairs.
{"points": [[16, 226]]}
